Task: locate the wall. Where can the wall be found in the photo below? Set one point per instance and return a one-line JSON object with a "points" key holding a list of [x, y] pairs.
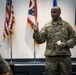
{"points": [[21, 48]]}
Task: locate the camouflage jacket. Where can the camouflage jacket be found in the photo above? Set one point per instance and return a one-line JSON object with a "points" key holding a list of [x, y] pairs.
{"points": [[53, 32]]}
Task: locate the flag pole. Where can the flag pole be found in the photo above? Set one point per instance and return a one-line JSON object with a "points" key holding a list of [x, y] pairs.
{"points": [[35, 43], [9, 21], [34, 52], [11, 47], [35, 12]]}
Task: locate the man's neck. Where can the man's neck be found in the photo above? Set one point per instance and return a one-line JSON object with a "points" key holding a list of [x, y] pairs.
{"points": [[56, 20]]}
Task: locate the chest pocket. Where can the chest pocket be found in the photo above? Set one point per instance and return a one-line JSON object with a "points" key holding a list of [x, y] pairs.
{"points": [[57, 33], [65, 33]]}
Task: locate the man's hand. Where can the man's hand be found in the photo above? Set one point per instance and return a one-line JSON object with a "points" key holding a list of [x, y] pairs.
{"points": [[63, 44]]}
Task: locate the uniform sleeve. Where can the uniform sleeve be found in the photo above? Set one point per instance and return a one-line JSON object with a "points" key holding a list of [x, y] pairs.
{"points": [[40, 37], [72, 38]]}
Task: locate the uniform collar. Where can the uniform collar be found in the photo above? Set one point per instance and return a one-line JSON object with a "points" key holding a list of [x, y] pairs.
{"points": [[57, 22]]}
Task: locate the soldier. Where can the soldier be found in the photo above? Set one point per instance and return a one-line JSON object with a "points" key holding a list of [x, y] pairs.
{"points": [[4, 67], [59, 37]]}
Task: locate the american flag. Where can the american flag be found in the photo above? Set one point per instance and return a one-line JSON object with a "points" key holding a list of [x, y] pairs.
{"points": [[9, 20], [32, 13]]}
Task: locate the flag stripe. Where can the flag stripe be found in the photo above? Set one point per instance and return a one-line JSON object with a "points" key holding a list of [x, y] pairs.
{"points": [[35, 9], [6, 31], [30, 22]]}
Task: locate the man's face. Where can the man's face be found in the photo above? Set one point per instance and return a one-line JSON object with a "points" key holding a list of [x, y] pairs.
{"points": [[55, 13]]}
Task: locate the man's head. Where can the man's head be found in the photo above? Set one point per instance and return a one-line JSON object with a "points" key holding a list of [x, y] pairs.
{"points": [[55, 13]]}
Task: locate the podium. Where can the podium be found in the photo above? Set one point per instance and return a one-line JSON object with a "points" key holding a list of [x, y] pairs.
{"points": [[12, 67], [29, 67]]}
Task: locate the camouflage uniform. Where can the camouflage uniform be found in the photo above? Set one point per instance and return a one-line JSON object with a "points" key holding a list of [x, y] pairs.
{"points": [[57, 59], [4, 67]]}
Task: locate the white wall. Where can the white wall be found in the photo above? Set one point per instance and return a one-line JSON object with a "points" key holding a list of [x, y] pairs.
{"points": [[20, 48]]}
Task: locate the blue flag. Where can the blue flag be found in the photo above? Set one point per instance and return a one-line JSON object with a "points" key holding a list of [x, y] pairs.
{"points": [[54, 3]]}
